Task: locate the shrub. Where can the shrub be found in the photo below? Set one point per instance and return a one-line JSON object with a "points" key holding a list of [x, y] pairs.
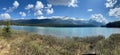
{"points": [[7, 29]]}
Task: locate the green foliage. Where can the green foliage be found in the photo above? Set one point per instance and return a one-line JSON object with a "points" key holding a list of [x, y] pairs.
{"points": [[7, 29]]}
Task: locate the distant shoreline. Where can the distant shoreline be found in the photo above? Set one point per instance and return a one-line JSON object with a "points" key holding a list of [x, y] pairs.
{"points": [[64, 26], [54, 26]]}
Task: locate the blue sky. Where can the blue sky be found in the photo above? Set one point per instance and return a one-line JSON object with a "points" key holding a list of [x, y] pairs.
{"points": [[101, 10]]}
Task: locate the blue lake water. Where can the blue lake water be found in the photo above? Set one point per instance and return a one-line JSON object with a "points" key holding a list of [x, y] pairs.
{"points": [[68, 31]]}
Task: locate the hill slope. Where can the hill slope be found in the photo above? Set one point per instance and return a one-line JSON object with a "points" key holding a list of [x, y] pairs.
{"points": [[56, 22], [113, 24]]}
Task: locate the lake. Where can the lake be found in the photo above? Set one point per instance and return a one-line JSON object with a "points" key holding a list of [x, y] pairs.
{"points": [[68, 31]]}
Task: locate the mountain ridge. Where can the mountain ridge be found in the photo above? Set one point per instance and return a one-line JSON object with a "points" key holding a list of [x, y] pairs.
{"points": [[57, 22]]}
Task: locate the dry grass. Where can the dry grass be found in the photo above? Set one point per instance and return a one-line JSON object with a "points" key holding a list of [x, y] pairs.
{"points": [[23, 43]]}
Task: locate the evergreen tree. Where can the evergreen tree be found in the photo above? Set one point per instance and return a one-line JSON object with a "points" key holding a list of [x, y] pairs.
{"points": [[7, 29]]}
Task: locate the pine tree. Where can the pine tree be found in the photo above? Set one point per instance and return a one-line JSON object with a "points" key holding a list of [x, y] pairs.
{"points": [[7, 29]]}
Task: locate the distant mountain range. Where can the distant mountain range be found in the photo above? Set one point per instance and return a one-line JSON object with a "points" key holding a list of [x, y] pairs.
{"points": [[57, 22], [113, 24]]}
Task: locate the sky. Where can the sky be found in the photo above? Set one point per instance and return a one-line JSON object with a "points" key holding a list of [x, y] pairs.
{"points": [[99, 10]]}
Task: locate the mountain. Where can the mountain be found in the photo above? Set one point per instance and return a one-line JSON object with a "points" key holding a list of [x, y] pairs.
{"points": [[57, 22], [113, 24]]}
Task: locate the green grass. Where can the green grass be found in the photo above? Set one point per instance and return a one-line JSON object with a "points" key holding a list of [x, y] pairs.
{"points": [[24, 43]]}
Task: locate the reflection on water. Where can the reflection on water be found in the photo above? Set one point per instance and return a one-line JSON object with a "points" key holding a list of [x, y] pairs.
{"points": [[63, 32]]}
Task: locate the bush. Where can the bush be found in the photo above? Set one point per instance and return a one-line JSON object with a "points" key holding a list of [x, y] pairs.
{"points": [[7, 30]]}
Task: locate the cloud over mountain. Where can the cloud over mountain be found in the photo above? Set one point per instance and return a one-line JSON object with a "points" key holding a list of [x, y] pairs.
{"points": [[5, 16], [115, 12], [68, 9], [69, 3], [23, 14], [99, 18]]}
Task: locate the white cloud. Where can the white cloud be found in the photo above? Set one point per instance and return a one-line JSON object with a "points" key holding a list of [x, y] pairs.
{"points": [[55, 17], [115, 12], [23, 14], [99, 18], [41, 17], [5, 16], [16, 4], [110, 3], [69, 3], [64, 18], [89, 10], [29, 6], [11, 9], [50, 11], [114, 8], [4, 8], [39, 5], [61, 17], [49, 5], [38, 12], [22, 18]]}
